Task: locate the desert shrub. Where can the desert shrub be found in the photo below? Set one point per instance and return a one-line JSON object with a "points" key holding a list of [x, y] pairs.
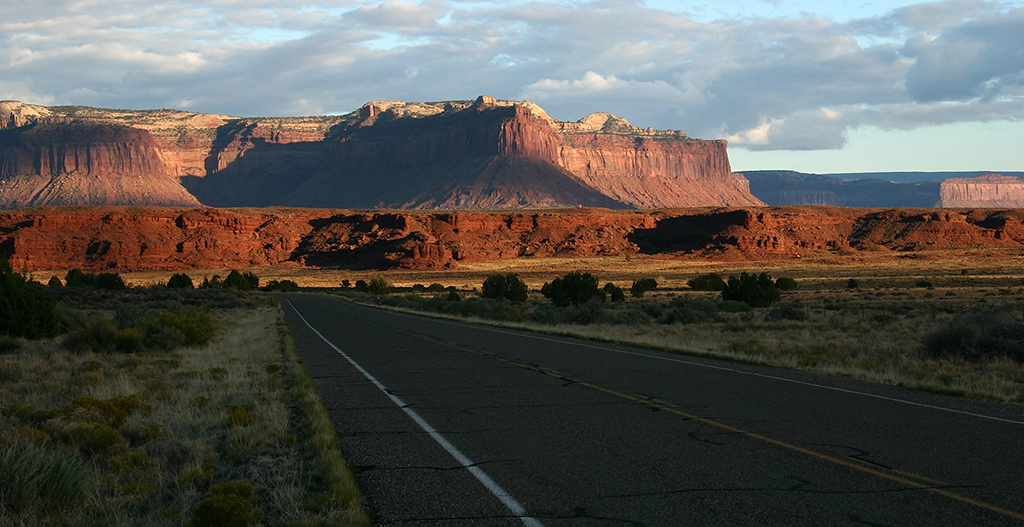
{"points": [[755, 290], [453, 296], [924, 284], [360, 285], [130, 315], [225, 510], [109, 281], [236, 280], [94, 438], [688, 311], [212, 283], [585, 313], [642, 286], [572, 289], [180, 281], [508, 287], [345, 284], [27, 309], [852, 284], [733, 306], [978, 336], [679, 315], [629, 317], [706, 282], [55, 282], [547, 314], [285, 286], [785, 283], [786, 313], [102, 411], [435, 288], [614, 292], [377, 286], [97, 334], [182, 327], [239, 416], [32, 477]]}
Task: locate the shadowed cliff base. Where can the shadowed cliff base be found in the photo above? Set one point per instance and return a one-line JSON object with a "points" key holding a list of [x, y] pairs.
{"points": [[153, 238]]}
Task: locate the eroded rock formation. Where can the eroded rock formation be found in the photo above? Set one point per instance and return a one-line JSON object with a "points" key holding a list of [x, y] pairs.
{"points": [[139, 238], [452, 155], [988, 190]]}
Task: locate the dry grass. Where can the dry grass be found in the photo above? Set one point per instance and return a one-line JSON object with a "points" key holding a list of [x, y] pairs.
{"points": [[181, 433]]}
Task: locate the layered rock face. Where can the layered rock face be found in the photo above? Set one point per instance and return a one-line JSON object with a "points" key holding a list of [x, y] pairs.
{"points": [[81, 163], [988, 190], [139, 238], [453, 155]]}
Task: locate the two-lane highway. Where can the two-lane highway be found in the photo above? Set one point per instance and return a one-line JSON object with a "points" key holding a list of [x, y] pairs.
{"points": [[446, 423]]}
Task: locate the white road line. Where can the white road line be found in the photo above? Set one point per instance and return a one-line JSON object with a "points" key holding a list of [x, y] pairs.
{"points": [[513, 506], [713, 367]]}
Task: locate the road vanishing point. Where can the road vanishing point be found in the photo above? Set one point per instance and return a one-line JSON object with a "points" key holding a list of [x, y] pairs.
{"points": [[447, 423]]}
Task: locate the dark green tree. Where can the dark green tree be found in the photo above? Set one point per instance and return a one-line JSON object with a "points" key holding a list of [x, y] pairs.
{"points": [[27, 309], [236, 280], [642, 286], [753, 289], [180, 281], [706, 282], [572, 289], [378, 286], [786, 283], [508, 286], [614, 292]]}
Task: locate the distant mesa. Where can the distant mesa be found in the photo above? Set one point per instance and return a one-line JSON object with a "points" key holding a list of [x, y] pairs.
{"points": [[898, 189], [486, 153]]}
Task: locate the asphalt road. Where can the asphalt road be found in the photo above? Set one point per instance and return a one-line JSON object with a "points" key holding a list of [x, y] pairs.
{"points": [[450, 424]]}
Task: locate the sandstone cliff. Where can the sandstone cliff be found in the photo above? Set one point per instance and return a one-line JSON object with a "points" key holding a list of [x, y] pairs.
{"points": [[456, 154], [138, 238], [988, 190], [81, 163]]}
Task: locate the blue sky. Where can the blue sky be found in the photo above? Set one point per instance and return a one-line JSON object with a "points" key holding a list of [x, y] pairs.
{"points": [[849, 86]]}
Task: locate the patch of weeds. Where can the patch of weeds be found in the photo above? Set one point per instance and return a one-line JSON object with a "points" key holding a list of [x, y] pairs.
{"points": [[789, 312], [32, 477]]}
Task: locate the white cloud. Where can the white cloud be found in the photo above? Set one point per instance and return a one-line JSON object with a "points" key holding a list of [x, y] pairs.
{"points": [[767, 83]]}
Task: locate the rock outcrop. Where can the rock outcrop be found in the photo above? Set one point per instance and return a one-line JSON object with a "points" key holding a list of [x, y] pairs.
{"points": [[140, 238], [955, 190], [389, 154], [987, 190], [81, 163]]}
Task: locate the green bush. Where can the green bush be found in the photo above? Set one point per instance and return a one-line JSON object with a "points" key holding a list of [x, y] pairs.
{"points": [[182, 327], [225, 510], [924, 284], [109, 281], [733, 306], [94, 438], [237, 280], [706, 282], [754, 290], [786, 283], [977, 337], [642, 286], [180, 281], [508, 287], [378, 286], [572, 289], [98, 335], [614, 292], [786, 313], [27, 309], [852, 284], [435, 288], [55, 282], [284, 286], [35, 478], [361, 285]]}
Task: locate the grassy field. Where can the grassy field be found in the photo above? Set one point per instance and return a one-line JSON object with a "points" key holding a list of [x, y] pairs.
{"points": [[230, 432]]}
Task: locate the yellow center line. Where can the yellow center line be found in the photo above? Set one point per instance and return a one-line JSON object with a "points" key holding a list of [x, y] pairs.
{"points": [[672, 408]]}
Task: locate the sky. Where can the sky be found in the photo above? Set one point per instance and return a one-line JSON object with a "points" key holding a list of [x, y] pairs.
{"points": [[825, 87]]}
